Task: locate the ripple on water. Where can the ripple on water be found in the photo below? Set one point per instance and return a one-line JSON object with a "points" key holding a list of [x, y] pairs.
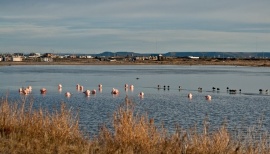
{"points": [[170, 107]]}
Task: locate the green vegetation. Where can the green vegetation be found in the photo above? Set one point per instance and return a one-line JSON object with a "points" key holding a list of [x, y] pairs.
{"points": [[25, 130]]}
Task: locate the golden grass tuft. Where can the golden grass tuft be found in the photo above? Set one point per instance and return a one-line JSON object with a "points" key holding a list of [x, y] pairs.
{"points": [[24, 130], [131, 133]]}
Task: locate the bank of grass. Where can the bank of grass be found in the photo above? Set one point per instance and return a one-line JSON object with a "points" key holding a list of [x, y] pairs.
{"points": [[25, 130]]}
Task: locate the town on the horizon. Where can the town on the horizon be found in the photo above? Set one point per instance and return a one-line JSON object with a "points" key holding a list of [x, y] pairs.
{"points": [[119, 56]]}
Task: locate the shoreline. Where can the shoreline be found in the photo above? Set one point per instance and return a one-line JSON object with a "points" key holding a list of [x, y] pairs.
{"points": [[252, 63]]}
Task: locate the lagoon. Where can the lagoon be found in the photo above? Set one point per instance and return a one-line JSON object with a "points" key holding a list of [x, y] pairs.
{"points": [[168, 106]]}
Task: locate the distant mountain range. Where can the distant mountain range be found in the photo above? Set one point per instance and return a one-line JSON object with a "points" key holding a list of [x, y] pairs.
{"points": [[185, 54]]}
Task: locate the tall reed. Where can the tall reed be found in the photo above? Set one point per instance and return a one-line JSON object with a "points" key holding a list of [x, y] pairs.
{"points": [[134, 133], [25, 130]]}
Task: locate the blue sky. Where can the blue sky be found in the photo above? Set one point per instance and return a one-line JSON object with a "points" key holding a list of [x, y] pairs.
{"points": [[144, 26]]}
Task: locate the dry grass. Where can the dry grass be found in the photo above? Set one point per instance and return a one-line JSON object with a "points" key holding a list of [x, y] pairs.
{"points": [[138, 134], [133, 133], [23, 130]]}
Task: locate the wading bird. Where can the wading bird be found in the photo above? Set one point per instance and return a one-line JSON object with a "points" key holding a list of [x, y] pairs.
{"points": [[208, 97], [190, 96], [43, 90]]}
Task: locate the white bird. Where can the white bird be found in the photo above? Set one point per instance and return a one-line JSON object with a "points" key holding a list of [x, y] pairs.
{"points": [[208, 97], [29, 88], [87, 92], [78, 87], [115, 91], [43, 90], [81, 88], [190, 96], [68, 94], [100, 85], [59, 86], [26, 91], [94, 91], [126, 85], [141, 94]]}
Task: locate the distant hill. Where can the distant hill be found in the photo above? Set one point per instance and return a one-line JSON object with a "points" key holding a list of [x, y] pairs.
{"points": [[196, 54], [121, 53], [212, 54]]}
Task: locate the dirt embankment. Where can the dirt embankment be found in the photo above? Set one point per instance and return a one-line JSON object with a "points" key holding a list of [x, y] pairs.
{"points": [[179, 61]]}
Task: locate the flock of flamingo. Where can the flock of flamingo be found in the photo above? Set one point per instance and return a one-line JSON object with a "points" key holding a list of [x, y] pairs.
{"points": [[207, 97], [79, 87], [115, 91], [26, 90]]}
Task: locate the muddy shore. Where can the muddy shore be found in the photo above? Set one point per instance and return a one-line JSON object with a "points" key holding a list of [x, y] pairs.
{"points": [[231, 62]]}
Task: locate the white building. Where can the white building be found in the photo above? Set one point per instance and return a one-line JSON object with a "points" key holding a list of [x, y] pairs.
{"points": [[34, 55], [17, 58], [191, 57]]}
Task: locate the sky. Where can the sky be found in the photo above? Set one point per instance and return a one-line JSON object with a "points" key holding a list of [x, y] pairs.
{"points": [[142, 26]]}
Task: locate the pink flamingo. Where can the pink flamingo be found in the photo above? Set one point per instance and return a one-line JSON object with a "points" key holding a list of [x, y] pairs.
{"points": [[81, 88], [78, 87], [87, 92], [141, 94], [115, 91], [20, 90], [100, 86], [126, 85], [43, 90], [208, 97], [59, 86], [68, 94], [190, 96], [94, 91], [26, 91], [29, 88]]}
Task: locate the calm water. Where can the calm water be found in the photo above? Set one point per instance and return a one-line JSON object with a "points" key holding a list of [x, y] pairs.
{"points": [[170, 107]]}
